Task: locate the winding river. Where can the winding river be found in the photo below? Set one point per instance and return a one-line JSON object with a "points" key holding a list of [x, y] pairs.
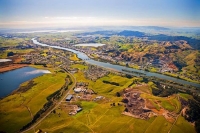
{"points": [[83, 56]]}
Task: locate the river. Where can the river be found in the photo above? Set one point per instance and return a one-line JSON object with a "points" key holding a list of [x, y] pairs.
{"points": [[83, 56]]}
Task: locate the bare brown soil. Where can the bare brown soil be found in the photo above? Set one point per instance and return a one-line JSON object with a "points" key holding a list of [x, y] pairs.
{"points": [[149, 104], [11, 67]]}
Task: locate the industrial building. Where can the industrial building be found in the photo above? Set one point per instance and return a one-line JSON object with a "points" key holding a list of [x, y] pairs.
{"points": [[69, 97]]}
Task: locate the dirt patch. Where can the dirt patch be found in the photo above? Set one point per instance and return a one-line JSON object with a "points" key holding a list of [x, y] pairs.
{"points": [[149, 104], [135, 105], [159, 112], [169, 117], [11, 67]]}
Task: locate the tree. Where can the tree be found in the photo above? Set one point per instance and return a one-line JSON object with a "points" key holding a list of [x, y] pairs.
{"points": [[125, 100], [54, 111], [197, 126], [10, 53], [118, 94], [126, 110]]}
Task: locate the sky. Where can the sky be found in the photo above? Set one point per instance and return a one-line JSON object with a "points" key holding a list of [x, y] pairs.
{"points": [[78, 13]]}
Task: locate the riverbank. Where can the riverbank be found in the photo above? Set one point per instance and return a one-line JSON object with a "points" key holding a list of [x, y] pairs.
{"points": [[11, 67], [84, 57], [139, 73]]}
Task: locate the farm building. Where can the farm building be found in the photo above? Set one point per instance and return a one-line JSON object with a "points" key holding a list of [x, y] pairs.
{"points": [[75, 110], [69, 97], [77, 90]]}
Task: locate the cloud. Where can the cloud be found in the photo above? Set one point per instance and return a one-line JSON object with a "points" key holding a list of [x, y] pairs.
{"points": [[76, 21], [38, 71]]}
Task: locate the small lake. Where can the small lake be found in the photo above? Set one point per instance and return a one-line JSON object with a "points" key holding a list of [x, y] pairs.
{"points": [[90, 44], [11, 80]]}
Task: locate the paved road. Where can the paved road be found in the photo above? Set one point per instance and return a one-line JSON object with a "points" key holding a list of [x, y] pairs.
{"points": [[38, 122]]}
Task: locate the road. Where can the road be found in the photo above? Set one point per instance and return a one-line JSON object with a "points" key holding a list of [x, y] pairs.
{"points": [[49, 112], [176, 117]]}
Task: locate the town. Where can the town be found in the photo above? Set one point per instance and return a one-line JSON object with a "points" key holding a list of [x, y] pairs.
{"points": [[90, 91]]}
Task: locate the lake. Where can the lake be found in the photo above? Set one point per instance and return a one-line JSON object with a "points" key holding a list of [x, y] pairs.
{"points": [[11, 80], [90, 44], [83, 56]]}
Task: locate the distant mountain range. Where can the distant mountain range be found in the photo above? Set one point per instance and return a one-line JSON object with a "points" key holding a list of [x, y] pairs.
{"points": [[194, 43], [131, 33]]}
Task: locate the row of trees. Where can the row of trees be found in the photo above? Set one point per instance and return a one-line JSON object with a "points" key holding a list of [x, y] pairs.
{"points": [[54, 96]]}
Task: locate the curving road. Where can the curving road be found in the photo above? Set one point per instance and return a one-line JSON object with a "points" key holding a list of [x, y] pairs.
{"points": [[40, 120]]}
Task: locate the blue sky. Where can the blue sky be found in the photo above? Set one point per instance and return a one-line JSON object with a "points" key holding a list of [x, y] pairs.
{"points": [[72, 13]]}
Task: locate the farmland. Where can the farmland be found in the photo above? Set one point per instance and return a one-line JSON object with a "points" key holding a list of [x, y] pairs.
{"points": [[97, 116], [13, 109], [111, 107], [100, 116]]}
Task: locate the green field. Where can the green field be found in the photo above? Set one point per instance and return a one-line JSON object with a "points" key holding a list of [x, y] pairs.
{"points": [[98, 117], [79, 66], [171, 103], [167, 105], [3, 54], [74, 57], [182, 126], [185, 96], [102, 88], [102, 118], [13, 112]]}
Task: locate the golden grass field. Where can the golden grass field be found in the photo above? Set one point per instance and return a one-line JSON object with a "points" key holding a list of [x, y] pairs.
{"points": [[98, 116], [13, 112]]}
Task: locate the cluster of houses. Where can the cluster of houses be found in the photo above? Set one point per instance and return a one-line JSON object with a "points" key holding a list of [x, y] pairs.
{"points": [[103, 53], [50, 58], [81, 92], [168, 67], [95, 72], [68, 41], [75, 110]]}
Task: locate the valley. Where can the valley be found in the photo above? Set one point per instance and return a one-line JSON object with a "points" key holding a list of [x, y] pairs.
{"points": [[80, 96]]}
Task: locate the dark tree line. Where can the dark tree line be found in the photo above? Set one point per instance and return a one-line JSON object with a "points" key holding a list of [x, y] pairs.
{"points": [[10, 53], [54, 96], [112, 83], [164, 92], [193, 113]]}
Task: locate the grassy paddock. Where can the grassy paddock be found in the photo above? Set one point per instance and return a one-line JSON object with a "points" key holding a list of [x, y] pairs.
{"points": [[74, 57], [182, 126], [13, 112], [185, 96], [101, 117], [95, 116], [79, 66]]}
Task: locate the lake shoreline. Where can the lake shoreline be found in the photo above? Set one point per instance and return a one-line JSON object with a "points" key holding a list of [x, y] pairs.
{"points": [[12, 67], [12, 80]]}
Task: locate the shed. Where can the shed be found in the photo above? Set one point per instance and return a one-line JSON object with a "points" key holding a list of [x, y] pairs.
{"points": [[79, 109], [69, 97], [77, 90]]}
